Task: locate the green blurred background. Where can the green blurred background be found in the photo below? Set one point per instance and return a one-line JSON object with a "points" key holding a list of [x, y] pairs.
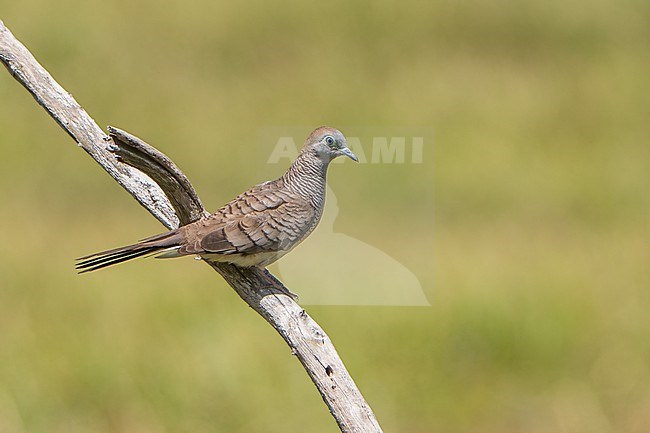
{"points": [[538, 179]]}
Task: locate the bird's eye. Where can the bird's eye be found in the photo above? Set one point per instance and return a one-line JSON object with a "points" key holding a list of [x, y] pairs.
{"points": [[329, 140]]}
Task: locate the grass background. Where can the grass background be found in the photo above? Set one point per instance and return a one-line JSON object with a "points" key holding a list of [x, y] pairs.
{"points": [[538, 184]]}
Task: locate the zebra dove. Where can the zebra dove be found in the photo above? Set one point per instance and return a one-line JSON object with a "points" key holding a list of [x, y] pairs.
{"points": [[256, 228]]}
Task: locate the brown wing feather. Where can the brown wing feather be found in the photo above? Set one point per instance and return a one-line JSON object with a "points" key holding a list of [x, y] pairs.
{"points": [[256, 221]]}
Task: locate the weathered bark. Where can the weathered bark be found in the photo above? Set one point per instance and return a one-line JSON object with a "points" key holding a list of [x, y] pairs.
{"points": [[161, 188]]}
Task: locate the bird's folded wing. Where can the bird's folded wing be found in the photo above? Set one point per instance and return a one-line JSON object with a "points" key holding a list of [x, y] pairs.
{"points": [[259, 220]]}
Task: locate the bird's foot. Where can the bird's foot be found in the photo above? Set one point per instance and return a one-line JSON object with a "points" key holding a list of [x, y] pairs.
{"points": [[277, 285]]}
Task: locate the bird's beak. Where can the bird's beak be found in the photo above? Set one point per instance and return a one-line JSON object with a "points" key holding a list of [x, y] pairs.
{"points": [[347, 152]]}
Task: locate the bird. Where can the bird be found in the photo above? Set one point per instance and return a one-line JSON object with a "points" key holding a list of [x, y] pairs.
{"points": [[257, 227]]}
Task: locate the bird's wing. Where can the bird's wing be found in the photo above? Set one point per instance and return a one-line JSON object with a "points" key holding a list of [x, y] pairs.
{"points": [[263, 219]]}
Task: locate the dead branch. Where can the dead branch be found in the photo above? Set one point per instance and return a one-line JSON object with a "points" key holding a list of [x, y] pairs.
{"points": [[161, 188]]}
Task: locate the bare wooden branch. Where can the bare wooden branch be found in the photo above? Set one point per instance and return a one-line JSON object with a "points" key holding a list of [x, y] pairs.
{"points": [[167, 194], [180, 192], [81, 127]]}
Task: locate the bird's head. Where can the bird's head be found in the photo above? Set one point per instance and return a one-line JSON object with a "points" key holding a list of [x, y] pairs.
{"points": [[328, 143]]}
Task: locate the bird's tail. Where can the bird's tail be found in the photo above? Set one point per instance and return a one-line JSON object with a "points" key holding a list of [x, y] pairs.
{"points": [[146, 247]]}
